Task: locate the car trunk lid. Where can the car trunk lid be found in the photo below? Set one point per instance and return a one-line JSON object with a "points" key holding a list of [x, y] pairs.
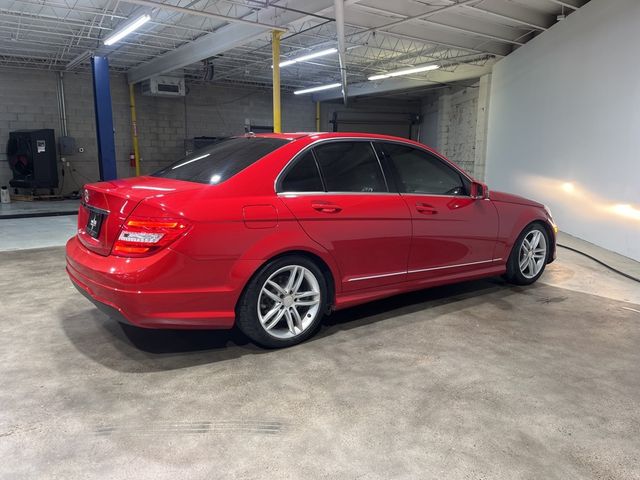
{"points": [[106, 205]]}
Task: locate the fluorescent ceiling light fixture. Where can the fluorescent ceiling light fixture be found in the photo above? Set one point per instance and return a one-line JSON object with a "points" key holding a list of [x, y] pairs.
{"points": [[317, 89], [127, 29], [407, 71], [304, 58]]}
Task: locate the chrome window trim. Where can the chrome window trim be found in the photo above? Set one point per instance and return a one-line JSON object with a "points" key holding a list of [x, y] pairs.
{"points": [[336, 139], [371, 277], [436, 195], [283, 194]]}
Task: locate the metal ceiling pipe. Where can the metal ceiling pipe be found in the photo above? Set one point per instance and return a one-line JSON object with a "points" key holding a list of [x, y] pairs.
{"points": [[275, 56], [62, 107], [339, 13]]}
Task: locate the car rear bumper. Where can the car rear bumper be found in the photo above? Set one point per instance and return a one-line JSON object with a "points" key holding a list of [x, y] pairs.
{"points": [[161, 291]]}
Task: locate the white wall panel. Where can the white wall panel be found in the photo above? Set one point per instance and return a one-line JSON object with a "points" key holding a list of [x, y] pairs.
{"points": [[564, 124]]}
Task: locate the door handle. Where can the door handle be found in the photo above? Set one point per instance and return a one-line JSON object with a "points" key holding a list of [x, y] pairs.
{"points": [[426, 208], [326, 207]]}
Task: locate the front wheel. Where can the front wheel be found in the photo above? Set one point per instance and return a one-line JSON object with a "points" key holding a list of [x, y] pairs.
{"points": [[283, 303], [529, 256]]}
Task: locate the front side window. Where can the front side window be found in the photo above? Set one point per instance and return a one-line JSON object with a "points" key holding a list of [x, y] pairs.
{"points": [[418, 171], [350, 167], [222, 160], [303, 176]]}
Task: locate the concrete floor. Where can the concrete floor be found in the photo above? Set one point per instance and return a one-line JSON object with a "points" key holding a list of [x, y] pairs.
{"points": [[475, 381], [39, 232], [41, 207]]}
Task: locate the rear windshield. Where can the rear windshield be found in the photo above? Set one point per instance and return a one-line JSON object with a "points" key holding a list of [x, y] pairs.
{"points": [[222, 160]]}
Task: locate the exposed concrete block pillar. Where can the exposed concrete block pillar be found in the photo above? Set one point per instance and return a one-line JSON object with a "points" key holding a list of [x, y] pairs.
{"points": [[444, 121], [482, 120]]}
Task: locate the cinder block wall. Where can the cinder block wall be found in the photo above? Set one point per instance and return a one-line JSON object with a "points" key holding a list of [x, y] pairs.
{"points": [[28, 100], [454, 119], [455, 123]]}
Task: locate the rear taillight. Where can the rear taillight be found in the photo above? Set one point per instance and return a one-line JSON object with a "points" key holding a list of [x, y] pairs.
{"points": [[140, 237]]}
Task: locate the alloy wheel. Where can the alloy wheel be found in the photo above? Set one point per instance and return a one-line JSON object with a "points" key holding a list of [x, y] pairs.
{"points": [[289, 301], [533, 254]]}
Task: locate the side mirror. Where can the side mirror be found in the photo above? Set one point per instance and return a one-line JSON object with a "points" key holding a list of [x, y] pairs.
{"points": [[479, 190]]}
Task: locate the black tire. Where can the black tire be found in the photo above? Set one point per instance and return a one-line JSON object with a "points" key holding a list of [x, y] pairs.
{"points": [[514, 273], [247, 309]]}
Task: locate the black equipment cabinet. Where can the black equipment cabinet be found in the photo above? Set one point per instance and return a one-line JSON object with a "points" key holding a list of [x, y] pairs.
{"points": [[32, 158]]}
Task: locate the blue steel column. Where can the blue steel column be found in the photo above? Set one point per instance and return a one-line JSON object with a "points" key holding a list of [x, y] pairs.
{"points": [[104, 118]]}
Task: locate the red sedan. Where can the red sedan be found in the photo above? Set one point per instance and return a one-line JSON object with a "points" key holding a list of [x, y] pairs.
{"points": [[270, 232]]}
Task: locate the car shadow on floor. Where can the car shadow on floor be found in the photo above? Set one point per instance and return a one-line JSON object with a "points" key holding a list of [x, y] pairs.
{"points": [[132, 349]]}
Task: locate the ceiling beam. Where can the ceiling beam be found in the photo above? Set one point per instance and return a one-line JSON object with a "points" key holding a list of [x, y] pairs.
{"points": [[512, 12], [469, 46], [202, 13], [420, 19], [223, 39], [416, 17], [572, 4], [436, 77], [475, 33]]}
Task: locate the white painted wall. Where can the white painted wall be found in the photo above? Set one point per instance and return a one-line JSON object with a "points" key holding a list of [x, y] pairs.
{"points": [[566, 108]]}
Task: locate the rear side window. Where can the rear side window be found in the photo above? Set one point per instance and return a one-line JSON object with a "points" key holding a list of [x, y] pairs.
{"points": [[222, 160], [350, 167], [420, 172], [304, 176]]}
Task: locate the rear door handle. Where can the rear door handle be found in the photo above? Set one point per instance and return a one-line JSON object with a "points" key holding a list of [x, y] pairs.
{"points": [[426, 208], [326, 207]]}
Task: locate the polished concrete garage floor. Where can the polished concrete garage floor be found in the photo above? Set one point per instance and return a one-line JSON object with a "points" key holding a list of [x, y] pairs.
{"points": [[475, 381]]}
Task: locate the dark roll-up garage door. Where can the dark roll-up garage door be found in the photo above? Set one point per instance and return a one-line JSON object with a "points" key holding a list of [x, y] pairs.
{"points": [[398, 124]]}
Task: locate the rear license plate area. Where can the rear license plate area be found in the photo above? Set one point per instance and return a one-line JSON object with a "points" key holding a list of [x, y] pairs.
{"points": [[94, 223]]}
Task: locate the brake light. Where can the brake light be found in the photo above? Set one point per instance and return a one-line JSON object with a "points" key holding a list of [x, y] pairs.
{"points": [[140, 237], [151, 224]]}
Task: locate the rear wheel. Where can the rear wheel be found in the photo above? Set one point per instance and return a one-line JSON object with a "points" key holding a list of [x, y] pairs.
{"points": [[284, 303], [529, 256]]}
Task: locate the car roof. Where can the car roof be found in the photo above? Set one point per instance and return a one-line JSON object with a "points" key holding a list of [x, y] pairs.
{"points": [[321, 135]]}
